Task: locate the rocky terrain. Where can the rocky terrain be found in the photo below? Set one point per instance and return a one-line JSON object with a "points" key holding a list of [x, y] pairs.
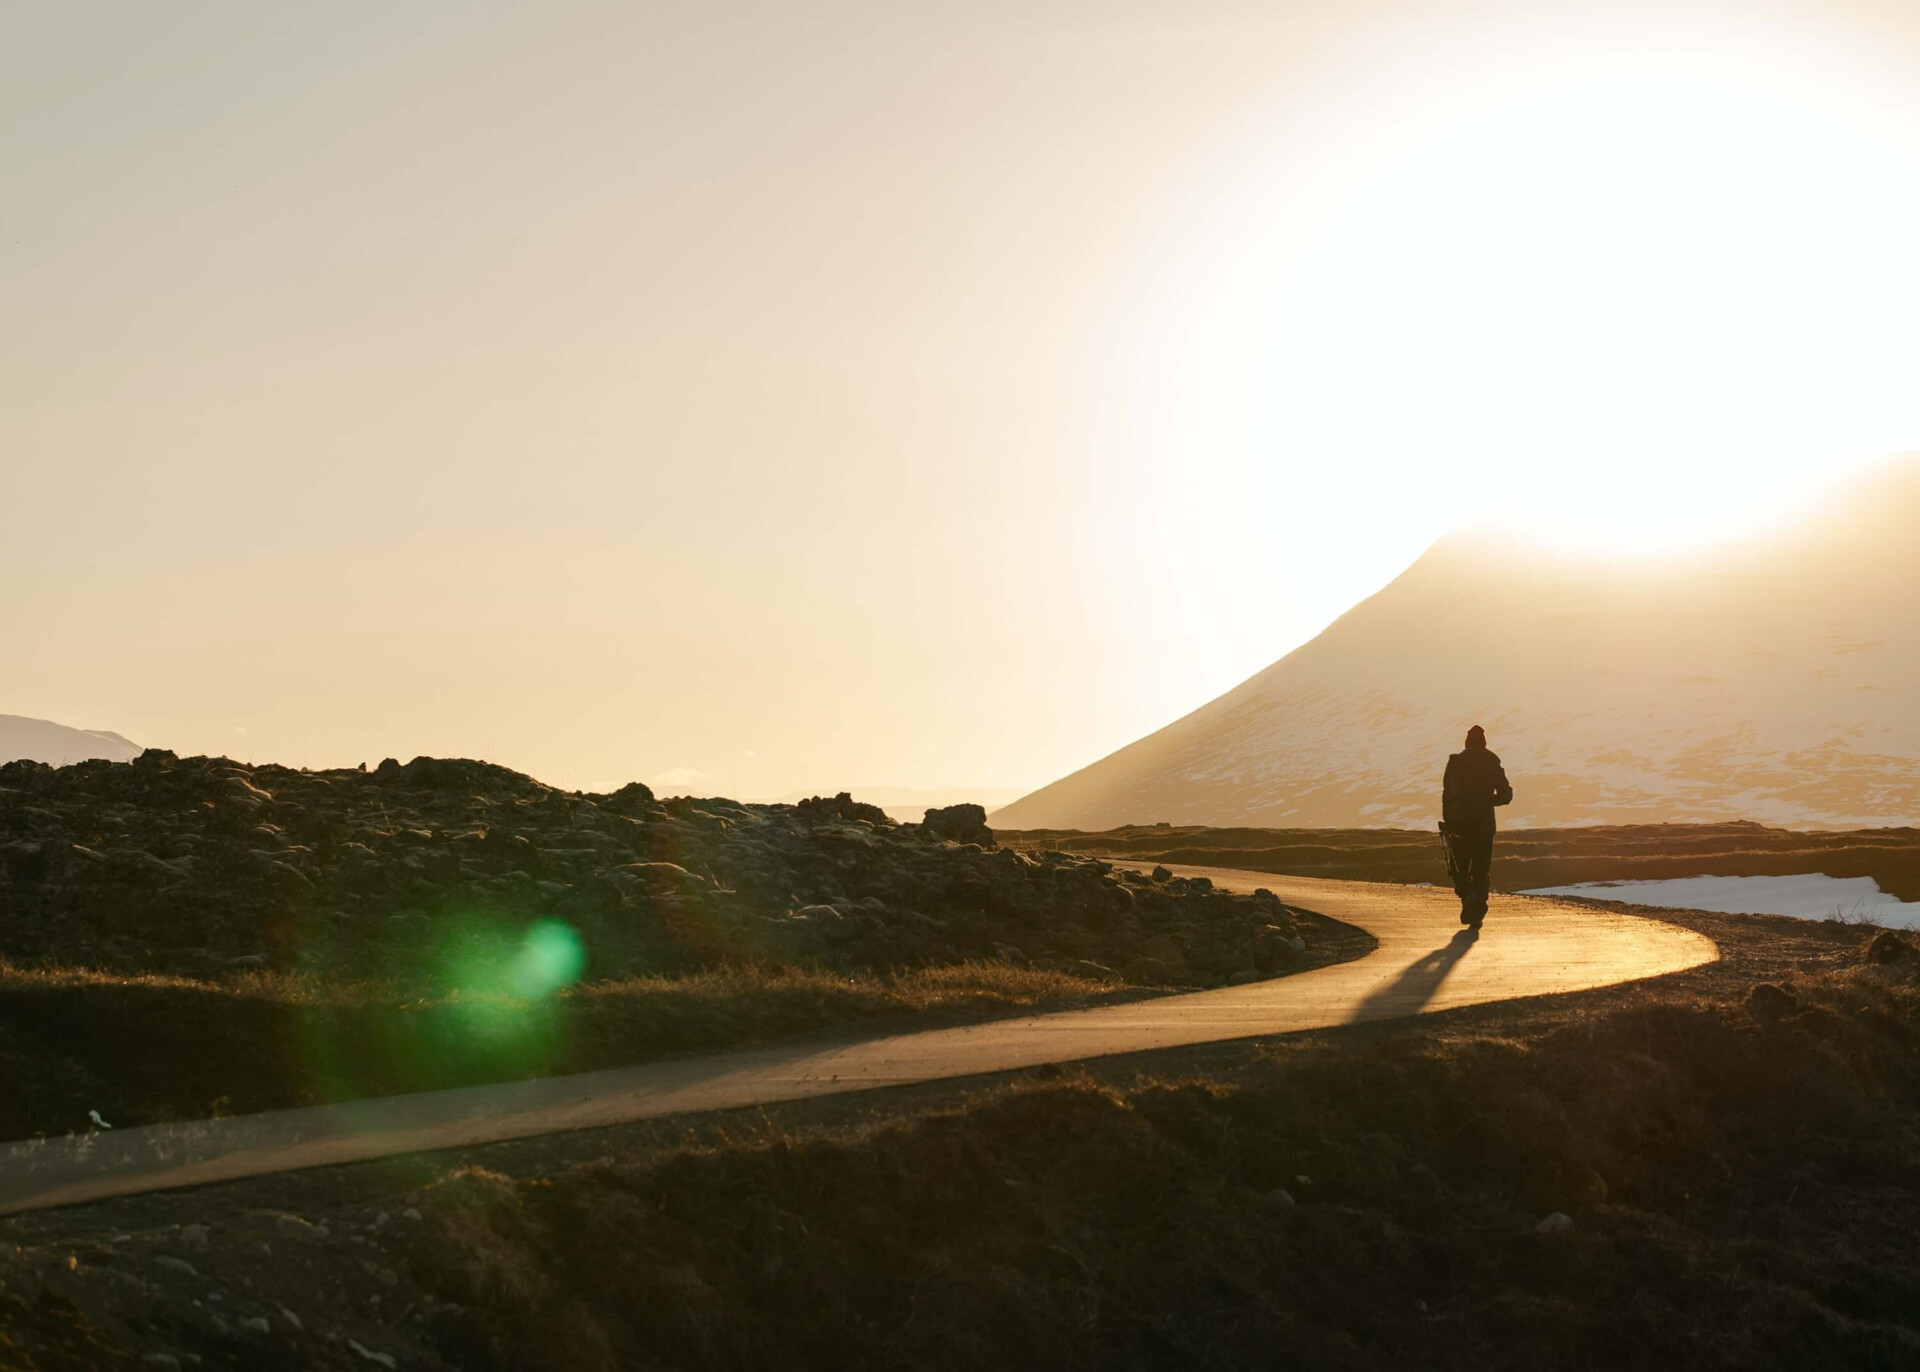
{"points": [[179, 935], [185, 866]]}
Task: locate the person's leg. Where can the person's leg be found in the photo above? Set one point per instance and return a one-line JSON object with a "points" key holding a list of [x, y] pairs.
{"points": [[1457, 870], [1480, 865], [1462, 876]]}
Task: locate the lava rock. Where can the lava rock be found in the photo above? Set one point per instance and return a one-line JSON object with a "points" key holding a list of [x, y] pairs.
{"points": [[961, 823], [843, 806], [633, 798], [1887, 946], [1146, 971], [204, 866]]}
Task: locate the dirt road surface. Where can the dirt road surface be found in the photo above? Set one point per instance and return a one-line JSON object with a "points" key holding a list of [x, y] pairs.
{"points": [[1425, 962]]}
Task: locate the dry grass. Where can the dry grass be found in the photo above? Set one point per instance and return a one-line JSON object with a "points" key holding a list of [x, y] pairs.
{"points": [[1738, 1146], [1744, 1176], [993, 985], [1523, 858], [148, 1047]]}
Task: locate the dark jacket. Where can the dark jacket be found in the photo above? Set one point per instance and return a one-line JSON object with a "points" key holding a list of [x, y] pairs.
{"points": [[1475, 783]]}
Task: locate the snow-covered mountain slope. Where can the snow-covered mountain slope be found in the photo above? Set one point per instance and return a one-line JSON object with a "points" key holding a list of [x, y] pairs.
{"points": [[1776, 680], [41, 740]]}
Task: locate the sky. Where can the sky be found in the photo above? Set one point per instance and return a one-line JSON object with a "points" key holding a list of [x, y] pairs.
{"points": [[750, 398]]}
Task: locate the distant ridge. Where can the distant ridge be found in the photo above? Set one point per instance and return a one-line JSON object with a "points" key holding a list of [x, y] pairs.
{"points": [[1775, 680], [908, 803], [41, 740]]}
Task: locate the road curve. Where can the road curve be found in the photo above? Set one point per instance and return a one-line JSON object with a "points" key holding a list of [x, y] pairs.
{"points": [[1424, 962]]}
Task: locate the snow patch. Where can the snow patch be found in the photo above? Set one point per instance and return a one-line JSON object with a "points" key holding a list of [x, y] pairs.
{"points": [[1811, 895]]}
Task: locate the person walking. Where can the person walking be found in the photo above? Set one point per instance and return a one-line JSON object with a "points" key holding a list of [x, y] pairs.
{"points": [[1475, 784]]}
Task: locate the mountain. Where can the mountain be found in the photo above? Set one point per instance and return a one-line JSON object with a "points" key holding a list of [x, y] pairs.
{"points": [[1776, 680], [41, 740]]}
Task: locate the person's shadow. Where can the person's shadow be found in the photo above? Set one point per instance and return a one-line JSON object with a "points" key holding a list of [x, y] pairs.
{"points": [[1409, 992]]}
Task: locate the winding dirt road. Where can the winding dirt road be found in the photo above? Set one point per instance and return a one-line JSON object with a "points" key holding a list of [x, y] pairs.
{"points": [[1425, 962]]}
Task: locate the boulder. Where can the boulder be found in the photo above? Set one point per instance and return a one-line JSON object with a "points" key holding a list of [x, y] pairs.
{"points": [[1273, 948], [667, 878], [1768, 1000], [294, 1227], [1165, 948], [961, 823], [630, 799], [1887, 946], [843, 806], [455, 773], [1146, 971]]}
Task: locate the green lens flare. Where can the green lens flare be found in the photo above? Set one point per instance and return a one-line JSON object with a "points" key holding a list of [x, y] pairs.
{"points": [[550, 958], [489, 958], [476, 997]]}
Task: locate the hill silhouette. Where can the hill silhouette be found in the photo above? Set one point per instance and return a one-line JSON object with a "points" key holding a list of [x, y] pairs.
{"points": [[41, 740], [1774, 680]]}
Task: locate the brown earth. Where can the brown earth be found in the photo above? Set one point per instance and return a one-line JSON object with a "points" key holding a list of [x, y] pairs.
{"points": [[1737, 1149], [1524, 859]]}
